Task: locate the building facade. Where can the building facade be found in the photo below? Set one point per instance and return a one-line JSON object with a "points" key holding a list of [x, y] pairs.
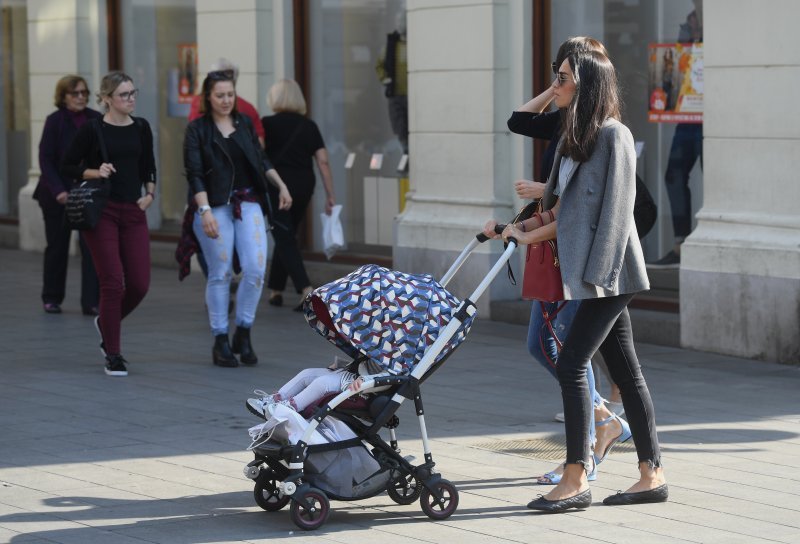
{"points": [[469, 65]]}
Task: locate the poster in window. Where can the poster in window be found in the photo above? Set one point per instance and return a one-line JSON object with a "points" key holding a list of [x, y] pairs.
{"points": [[182, 81], [676, 83]]}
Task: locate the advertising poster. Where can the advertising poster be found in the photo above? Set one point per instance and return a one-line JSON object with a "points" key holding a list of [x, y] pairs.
{"points": [[182, 81], [676, 83]]}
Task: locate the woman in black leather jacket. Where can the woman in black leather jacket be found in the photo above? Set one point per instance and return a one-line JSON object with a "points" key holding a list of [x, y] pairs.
{"points": [[228, 174]]}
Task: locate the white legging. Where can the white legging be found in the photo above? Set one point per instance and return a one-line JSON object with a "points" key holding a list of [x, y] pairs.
{"points": [[312, 384]]}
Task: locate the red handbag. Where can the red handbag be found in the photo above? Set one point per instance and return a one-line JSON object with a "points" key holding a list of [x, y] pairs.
{"points": [[542, 277]]}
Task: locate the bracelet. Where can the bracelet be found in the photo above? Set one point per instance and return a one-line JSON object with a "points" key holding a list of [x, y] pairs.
{"points": [[150, 194]]}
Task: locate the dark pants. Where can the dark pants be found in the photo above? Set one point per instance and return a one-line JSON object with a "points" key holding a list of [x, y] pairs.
{"points": [[398, 117], [605, 321], [286, 259], [56, 258], [120, 246], [687, 147]]}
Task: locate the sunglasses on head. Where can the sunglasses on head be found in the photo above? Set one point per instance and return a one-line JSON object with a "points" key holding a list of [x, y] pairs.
{"points": [[221, 75]]}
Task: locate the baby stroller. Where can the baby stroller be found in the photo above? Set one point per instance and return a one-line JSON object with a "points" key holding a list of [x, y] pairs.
{"points": [[407, 323]]}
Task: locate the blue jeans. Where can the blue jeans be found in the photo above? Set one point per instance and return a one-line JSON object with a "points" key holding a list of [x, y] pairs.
{"points": [[542, 345], [687, 147], [249, 237]]}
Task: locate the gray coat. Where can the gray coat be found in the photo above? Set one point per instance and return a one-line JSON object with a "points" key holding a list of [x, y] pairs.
{"points": [[598, 246]]}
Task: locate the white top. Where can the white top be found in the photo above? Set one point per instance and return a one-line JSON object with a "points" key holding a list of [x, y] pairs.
{"points": [[565, 170]]}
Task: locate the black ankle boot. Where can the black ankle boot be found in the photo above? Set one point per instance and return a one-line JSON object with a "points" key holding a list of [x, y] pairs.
{"points": [[243, 347], [221, 353]]}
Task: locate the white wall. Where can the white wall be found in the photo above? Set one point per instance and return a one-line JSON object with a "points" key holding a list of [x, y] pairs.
{"points": [[740, 269]]}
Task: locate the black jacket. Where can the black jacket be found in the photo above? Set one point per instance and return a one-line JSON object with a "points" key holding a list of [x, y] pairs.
{"points": [[208, 166]]}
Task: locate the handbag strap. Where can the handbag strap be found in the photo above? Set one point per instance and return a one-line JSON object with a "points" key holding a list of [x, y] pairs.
{"points": [[548, 320], [101, 141]]}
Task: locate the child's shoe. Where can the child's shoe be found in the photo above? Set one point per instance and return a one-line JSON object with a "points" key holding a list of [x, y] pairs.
{"points": [[257, 406], [269, 409]]}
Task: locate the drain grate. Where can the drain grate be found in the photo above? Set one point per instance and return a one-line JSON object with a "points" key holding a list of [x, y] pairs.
{"points": [[550, 448]]}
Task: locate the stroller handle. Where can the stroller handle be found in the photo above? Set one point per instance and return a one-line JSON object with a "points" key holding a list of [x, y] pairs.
{"points": [[498, 229], [475, 242]]}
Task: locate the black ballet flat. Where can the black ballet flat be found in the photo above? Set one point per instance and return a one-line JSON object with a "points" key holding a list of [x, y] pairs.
{"points": [[579, 501], [276, 300], [658, 494]]}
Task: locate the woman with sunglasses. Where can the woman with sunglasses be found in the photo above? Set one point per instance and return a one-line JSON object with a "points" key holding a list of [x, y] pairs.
{"points": [[120, 242], [606, 429], [591, 191], [60, 127], [229, 173]]}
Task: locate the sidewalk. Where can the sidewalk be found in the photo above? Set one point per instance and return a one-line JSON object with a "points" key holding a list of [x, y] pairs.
{"points": [[157, 457]]}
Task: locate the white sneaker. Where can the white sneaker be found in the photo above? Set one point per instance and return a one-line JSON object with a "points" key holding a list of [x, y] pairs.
{"points": [[256, 406], [559, 417], [269, 408]]}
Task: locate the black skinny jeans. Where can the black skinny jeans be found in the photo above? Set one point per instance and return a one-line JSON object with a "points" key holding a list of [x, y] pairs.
{"points": [[605, 322]]}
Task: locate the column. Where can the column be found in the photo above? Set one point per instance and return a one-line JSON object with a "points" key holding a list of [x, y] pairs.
{"points": [[469, 67], [740, 269], [64, 37], [256, 35]]}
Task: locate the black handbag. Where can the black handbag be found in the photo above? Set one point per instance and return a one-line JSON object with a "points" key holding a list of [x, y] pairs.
{"points": [[645, 211], [85, 201]]}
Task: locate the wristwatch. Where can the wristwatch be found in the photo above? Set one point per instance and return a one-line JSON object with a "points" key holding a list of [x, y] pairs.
{"points": [[203, 209]]}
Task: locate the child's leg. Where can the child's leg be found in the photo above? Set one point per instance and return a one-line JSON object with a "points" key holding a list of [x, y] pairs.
{"points": [[330, 382], [303, 379]]}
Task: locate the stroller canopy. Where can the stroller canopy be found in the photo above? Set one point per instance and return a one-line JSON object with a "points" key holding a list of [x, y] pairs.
{"points": [[389, 316]]}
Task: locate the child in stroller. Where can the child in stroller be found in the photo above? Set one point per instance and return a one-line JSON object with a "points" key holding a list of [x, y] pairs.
{"points": [[404, 327], [312, 384]]}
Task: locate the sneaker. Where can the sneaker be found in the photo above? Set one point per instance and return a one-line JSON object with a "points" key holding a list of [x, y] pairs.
{"points": [[269, 409], [258, 406], [670, 260], [115, 366], [559, 417], [52, 308], [102, 344]]}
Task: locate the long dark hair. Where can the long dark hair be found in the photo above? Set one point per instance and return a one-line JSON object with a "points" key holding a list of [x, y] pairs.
{"points": [[578, 44], [596, 99], [212, 79]]}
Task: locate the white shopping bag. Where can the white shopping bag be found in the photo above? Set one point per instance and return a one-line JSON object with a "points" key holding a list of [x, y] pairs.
{"points": [[285, 426], [332, 233]]}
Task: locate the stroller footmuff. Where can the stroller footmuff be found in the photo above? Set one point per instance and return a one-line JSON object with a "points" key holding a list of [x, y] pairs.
{"points": [[407, 324]]}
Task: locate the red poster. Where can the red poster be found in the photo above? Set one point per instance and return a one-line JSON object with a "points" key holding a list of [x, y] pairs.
{"points": [[187, 72], [676, 83]]}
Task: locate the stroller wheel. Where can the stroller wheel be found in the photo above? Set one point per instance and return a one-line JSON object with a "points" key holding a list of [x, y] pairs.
{"points": [[266, 491], [440, 508], [404, 489], [310, 509]]}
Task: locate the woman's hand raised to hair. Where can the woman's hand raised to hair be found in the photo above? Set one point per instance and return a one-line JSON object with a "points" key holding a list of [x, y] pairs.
{"points": [[528, 190]]}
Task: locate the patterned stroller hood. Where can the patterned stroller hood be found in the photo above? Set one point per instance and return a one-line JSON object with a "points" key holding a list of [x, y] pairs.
{"points": [[389, 316]]}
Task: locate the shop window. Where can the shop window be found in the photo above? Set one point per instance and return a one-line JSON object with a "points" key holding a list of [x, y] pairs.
{"points": [[160, 55], [637, 35], [348, 100]]}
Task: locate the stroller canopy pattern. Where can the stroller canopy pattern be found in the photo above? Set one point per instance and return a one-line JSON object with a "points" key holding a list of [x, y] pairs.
{"points": [[389, 316]]}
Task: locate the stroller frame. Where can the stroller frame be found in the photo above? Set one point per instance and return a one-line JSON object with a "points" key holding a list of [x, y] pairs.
{"points": [[281, 481]]}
